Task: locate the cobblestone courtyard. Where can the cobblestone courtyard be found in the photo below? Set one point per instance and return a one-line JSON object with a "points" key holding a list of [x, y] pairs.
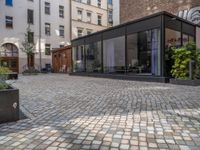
{"points": [[68, 112]]}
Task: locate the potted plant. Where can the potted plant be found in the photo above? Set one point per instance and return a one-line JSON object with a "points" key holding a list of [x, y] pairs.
{"points": [[9, 99], [186, 66]]}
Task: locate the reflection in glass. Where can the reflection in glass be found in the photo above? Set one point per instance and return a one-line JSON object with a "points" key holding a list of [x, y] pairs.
{"points": [[114, 55], [143, 52], [93, 57], [172, 39], [78, 59], [187, 38]]}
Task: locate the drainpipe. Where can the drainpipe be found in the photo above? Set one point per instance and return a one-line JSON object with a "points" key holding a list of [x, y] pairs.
{"points": [[40, 54], [70, 17]]}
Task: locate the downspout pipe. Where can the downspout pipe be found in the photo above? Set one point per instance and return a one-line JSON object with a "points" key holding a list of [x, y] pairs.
{"points": [[40, 54]]}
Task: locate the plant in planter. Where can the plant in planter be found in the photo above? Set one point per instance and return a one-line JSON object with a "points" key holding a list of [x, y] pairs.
{"points": [[182, 58], [9, 99], [4, 71]]}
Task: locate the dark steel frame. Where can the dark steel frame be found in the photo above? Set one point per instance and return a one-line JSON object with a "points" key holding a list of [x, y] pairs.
{"points": [[160, 20]]}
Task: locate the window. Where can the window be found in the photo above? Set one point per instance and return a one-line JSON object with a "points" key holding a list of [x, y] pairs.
{"points": [[80, 32], [9, 2], [61, 11], [47, 29], [110, 2], [61, 31], [99, 3], [47, 8], [61, 46], [9, 22], [47, 49], [89, 32], [31, 37], [89, 2], [30, 16], [80, 14], [110, 17], [9, 50], [89, 17], [99, 20]]}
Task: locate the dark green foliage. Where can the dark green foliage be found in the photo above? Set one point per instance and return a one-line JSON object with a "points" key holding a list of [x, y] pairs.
{"points": [[182, 57], [3, 76]]}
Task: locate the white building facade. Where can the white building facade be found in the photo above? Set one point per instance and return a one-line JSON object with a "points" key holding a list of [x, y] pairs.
{"points": [[49, 24]]}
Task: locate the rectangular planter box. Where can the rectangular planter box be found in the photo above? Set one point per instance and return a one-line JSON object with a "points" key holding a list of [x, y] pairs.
{"points": [[185, 82], [9, 105], [12, 76]]}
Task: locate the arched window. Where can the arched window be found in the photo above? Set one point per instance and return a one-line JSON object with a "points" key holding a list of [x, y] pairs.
{"points": [[9, 56], [8, 50]]}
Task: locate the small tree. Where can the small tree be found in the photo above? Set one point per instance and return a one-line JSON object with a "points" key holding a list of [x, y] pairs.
{"points": [[28, 46]]}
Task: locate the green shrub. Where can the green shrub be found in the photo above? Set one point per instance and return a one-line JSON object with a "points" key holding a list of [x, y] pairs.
{"points": [[3, 85], [4, 76], [182, 56], [4, 71]]}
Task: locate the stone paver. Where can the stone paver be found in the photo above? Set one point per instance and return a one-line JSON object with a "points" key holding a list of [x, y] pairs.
{"points": [[67, 112]]}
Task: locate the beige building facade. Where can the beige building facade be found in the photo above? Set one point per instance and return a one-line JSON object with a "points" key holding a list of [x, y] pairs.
{"points": [[90, 16]]}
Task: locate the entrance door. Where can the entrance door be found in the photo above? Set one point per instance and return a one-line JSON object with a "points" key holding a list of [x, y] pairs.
{"points": [[32, 61]]}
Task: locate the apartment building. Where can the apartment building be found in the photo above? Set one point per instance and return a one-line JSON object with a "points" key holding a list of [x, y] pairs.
{"points": [[90, 16], [48, 21]]}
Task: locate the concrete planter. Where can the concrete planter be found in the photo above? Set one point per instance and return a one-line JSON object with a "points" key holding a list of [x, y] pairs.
{"points": [[9, 105], [185, 82], [12, 76]]}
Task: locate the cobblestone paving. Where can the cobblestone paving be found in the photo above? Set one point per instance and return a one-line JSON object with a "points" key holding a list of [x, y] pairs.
{"points": [[89, 113]]}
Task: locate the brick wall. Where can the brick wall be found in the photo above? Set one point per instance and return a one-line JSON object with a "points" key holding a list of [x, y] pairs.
{"points": [[134, 9]]}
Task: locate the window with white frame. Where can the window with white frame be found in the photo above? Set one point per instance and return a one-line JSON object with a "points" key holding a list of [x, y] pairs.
{"points": [[99, 21], [9, 22], [47, 49], [80, 32], [89, 2], [47, 29], [80, 14], [89, 31], [89, 17], [61, 11], [61, 31], [99, 3], [47, 8]]}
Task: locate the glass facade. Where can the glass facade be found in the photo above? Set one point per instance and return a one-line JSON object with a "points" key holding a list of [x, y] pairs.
{"points": [[78, 59], [114, 55], [137, 48], [93, 57], [143, 52]]}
